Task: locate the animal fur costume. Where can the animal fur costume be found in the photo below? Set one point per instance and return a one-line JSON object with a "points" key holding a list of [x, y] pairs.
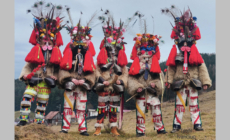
{"points": [[42, 62], [77, 65], [111, 67], [144, 71], [187, 72]]}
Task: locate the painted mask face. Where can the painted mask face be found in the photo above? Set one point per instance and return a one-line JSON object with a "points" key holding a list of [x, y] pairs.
{"points": [[47, 45], [146, 57]]}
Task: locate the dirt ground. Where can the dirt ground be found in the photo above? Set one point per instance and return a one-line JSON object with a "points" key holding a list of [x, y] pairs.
{"points": [[208, 115]]}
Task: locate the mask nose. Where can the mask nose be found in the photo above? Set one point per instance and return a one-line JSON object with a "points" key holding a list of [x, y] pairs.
{"points": [[47, 44], [113, 51], [146, 59]]}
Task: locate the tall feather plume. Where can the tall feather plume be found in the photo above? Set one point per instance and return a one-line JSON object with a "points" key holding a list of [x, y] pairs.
{"points": [[168, 13], [91, 21], [153, 24], [174, 10], [145, 26], [58, 10], [70, 19], [48, 7], [141, 24], [129, 20]]}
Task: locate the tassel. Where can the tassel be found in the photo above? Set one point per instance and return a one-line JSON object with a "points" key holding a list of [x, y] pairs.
{"points": [[172, 57], [88, 66], [102, 57], [33, 38], [195, 58], [97, 110], [35, 55], [66, 62], [59, 41], [173, 34], [102, 44], [91, 49], [155, 67], [103, 110], [67, 46], [111, 109], [100, 111], [115, 110], [122, 58], [197, 34], [56, 56], [158, 53], [134, 53], [135, 67], [123, 47]]}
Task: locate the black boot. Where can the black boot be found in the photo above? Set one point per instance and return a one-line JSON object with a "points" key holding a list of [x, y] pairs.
{"points": [[140, 134], [198, 127], [21, 123], [63, 131], [176, 128], [84, 133], [161, 132]]}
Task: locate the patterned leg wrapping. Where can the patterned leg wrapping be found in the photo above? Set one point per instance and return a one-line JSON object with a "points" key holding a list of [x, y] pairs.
{"points": [[81, 108], [114, 102], [102, 108], [140, 104], [69, 98], [194, 106], [156, 113], [27, 98], [42, 101], [192, 95], [179, 107]]}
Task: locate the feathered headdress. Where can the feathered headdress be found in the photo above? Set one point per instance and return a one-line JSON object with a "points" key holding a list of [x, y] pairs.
{"points": [[185, 30], [113, 38], [145, 44], [47, 26], [81, 37]]}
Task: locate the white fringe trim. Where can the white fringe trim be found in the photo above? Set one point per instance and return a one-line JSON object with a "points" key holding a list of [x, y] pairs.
{"points": [[99, 125], [113, 124], [114, 98], [103, 99]]}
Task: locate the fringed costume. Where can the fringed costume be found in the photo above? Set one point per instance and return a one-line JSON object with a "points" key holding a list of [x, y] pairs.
{"points": [[186, 72], [42, 63], [146, 80], [77, 74]]}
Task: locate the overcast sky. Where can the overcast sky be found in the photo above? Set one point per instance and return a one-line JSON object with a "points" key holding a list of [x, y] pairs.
{"points": [[204, 10]]}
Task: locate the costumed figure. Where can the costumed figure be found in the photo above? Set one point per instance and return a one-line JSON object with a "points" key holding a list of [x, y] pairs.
{"points": [[111, 74], [186, 72], [42, 62], [146, 80], [77, 74]]}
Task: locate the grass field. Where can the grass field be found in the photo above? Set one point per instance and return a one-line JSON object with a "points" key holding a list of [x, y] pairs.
{"points": [[208, 115]]}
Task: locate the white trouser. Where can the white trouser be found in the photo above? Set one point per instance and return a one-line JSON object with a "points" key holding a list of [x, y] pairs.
{"points": [[154, 104], [81, 100], [192, 95]]}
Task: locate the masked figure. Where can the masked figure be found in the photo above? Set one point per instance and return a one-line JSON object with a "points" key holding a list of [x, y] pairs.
{"points": [[112, 75], [77, 75], [146, 81], [187, 72], [42, 62]]}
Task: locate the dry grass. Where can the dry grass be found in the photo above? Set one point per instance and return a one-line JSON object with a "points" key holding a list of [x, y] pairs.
{"points": [[207, 106]]}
